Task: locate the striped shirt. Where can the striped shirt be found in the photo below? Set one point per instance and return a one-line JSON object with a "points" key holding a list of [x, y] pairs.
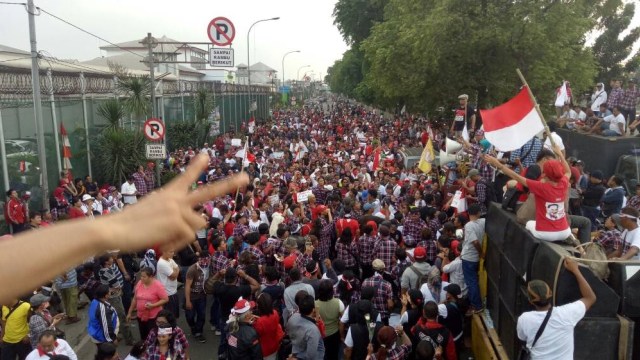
{"points": [[111, 276]]}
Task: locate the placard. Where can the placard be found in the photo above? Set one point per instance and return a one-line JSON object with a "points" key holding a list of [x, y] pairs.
{"points": [[303, 196]]}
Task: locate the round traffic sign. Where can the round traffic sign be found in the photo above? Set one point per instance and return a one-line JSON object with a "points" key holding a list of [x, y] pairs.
{"points": [[221, 31], [154, 129]]}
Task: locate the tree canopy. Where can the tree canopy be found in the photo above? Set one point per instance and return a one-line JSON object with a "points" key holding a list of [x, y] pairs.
{"points": [[423, 53]]}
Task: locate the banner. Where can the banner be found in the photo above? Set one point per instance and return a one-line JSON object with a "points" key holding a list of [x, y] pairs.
{"points": [[459, 202], [303, 196]]}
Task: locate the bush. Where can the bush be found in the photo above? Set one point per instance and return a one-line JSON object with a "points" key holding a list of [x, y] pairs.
{"points": [[118, 152]]}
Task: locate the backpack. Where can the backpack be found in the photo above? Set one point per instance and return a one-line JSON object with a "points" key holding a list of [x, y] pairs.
{"points": [[510, 200], [491, 192]]}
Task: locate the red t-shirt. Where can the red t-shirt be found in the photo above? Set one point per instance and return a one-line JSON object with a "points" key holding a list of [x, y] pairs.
{"points": [[550, 211]]}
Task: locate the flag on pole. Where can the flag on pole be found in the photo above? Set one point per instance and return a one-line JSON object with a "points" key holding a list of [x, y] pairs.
{"points": [[427, 157], [512, 124], [66, 148], [465, 132], [563, 94], [376, 159], [252, 124], [430, 132]]}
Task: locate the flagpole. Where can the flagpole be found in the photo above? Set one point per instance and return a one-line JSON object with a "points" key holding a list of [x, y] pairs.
{"points": [[535, 103], [244, 157]]}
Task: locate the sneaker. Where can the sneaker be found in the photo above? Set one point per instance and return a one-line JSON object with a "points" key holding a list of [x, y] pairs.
{"points": [[201, 338]]}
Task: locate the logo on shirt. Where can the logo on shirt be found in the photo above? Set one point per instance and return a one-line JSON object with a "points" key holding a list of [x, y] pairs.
{"points": [[555, 211]]}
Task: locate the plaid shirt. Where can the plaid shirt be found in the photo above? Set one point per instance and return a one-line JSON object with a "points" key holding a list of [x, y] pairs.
{"points": [[486, 171], [530, 149], [481, 194], [434, 225], [385, 250], [432, 250], [302, 259], [38, 323], [151, 182], [240, 230], [615, 98], [399, 352], [630, 99], [345, 252], [140, 183], [324, 243], [412, 228], [366, 247], [180, 346], [321, 194], [219, 262], [611, 240], [399, 268], [384, 292], [257, 254], [634, 202]]}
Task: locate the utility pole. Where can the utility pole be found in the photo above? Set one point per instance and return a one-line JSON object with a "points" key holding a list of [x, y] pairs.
{"points": [[37, 104], [151, 43]]}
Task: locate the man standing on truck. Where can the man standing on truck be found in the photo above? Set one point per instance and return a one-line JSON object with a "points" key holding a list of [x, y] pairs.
{"points": [[548, 330]]}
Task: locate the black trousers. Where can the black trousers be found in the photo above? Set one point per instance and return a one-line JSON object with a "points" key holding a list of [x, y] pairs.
{"points": [[13, 351]]}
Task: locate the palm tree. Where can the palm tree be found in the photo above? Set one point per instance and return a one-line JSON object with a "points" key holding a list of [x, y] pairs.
{"points": [[112, 111], [137, 92], [204, 104]]}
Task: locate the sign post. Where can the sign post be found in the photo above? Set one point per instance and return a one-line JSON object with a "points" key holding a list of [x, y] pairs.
{"points": [[221, 57], [154, 131], [221, 31]]}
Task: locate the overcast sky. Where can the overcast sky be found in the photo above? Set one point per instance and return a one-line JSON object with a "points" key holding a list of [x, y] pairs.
{"points": [[304, 25]]}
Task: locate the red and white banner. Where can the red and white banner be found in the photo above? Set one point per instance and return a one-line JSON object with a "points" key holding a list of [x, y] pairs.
{"points": [[512, 124], [66, 148]]}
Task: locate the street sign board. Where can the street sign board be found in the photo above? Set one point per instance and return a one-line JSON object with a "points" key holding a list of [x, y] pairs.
{"points": [[221, 31], [221, 57], [156, 151], [285, 89], [154, 129]]}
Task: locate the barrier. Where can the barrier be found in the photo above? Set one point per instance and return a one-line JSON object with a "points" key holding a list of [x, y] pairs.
{"points": [[599, 338], [485, 343], [548, 266], [624, 279]]}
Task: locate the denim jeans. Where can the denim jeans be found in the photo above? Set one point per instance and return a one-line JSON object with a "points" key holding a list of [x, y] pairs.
{"points": [[214, 313], [196, 316], [222, 347], [470, 271], [591, 213], [584, 227]]}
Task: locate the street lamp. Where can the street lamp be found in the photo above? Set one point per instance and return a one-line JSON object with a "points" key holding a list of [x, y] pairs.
{"points": [[249, 61], [301, 67], [284, 56]]}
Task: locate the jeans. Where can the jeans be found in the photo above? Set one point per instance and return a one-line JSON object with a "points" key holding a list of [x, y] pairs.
{"points": [[145, 327], [196, 316], [173, 306], [584, 227], [19, 350], [470, 271], [124, 329], [70, 301], [591, 213], [214, 313], [127, 294]]}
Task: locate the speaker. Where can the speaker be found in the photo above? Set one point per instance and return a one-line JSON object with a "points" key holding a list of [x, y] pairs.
{"points": [[548, 258], [445, 158], [624, 279], [452, 146]]}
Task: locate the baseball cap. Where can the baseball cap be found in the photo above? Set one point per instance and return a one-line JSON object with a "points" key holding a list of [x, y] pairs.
{"points": [[38, 299], [242, 306], [289, 261], [538, 291], [86, 197], [453, 289], [420, 253], [367, 207], [378, 264]]}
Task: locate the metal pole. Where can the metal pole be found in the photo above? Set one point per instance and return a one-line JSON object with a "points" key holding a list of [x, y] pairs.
{"points": [[37, 104], [3, 155], [54, 118], [150, 42], [248, 57], [85, 119]]}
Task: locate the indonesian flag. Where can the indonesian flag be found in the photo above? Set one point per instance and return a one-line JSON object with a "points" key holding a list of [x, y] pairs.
{"points": [[22, 166], [66, 148], [563, 94], [376, 159], [512, 124]]}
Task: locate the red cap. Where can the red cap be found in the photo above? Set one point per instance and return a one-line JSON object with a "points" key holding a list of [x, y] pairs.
{"points": [[289, 261], [553, 169], [420, 253], [242, 306]]}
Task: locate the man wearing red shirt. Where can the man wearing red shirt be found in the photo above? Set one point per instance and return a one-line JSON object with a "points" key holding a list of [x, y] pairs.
{"points": [[14, 212]]}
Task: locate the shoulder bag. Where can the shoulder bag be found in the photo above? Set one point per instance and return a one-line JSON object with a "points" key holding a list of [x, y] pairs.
{"points": [[525, 353]]}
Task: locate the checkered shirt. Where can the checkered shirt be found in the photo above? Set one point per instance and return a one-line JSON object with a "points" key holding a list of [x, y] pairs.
{"points": [[219, 262], [321, 194], [630, 99], [179, 342], [140, 183], [366, 247], [481, 194], [615, 98], [434, 225], [345, 252], [478, 162], [260, 260], [399, 268], [610, 240], [384, 292], [241, 230], [530, 149], [302, 260], [385, 250], [634, 202], [412, 228], [151, 183], [432, 250], [324, 242], [397, 353]]}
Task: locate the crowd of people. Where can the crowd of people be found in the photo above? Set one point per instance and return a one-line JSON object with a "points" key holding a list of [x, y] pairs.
{"points": [[337, 248]]}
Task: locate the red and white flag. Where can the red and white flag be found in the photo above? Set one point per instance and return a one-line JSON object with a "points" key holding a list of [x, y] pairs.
{"points": [[512, 124], [66, 148], [376, 159]]}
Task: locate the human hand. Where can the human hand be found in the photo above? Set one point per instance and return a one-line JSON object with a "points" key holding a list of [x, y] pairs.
{"points": [[492, 161], [188, 305], [327, 263], [241, 273], [176, 222], [571, 265], [404, 299]]}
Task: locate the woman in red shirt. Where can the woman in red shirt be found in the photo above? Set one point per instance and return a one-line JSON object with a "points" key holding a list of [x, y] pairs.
{"points": [[268, 327], [550, 194], [76, 210]]}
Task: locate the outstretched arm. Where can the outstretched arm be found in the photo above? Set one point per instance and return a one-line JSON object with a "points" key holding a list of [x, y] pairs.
{"points": [[42, 255]]}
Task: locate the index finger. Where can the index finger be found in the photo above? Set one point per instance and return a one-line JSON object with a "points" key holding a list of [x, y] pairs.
{"points": [[191, 174], [218, 188]]}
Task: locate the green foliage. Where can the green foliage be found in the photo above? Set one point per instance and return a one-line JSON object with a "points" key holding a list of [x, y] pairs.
{"points": [[354, 18], [112, 111], [203, 104], [188, 133], [611, 49], [137, 91], [117, 153], [167, 176]]}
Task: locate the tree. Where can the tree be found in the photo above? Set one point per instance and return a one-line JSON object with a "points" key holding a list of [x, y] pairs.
{"points": [[118, 152], [355, 18], [204, 104], [112, 111], [611, 49], [137, 91]]}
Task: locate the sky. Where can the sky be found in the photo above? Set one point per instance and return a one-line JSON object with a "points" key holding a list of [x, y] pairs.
{"points": [[304, 25]]}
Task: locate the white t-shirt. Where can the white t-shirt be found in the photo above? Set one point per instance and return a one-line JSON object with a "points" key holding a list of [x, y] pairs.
{"points": [[556, 341], [428, 296], [63, 348], [128, 189], [614, 121], [253, 225], [633, 239], [164, 270], [556, 139]]}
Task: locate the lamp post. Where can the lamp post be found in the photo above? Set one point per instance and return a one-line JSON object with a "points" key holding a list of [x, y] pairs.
{"points": [[248, 61], [284, 56], [301, 67]]}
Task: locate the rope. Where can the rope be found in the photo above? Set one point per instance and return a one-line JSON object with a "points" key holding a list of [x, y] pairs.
{"points": [[623, 338]]}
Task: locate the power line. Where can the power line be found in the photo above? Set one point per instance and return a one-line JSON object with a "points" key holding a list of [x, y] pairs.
{"points": [[88, 32]]}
